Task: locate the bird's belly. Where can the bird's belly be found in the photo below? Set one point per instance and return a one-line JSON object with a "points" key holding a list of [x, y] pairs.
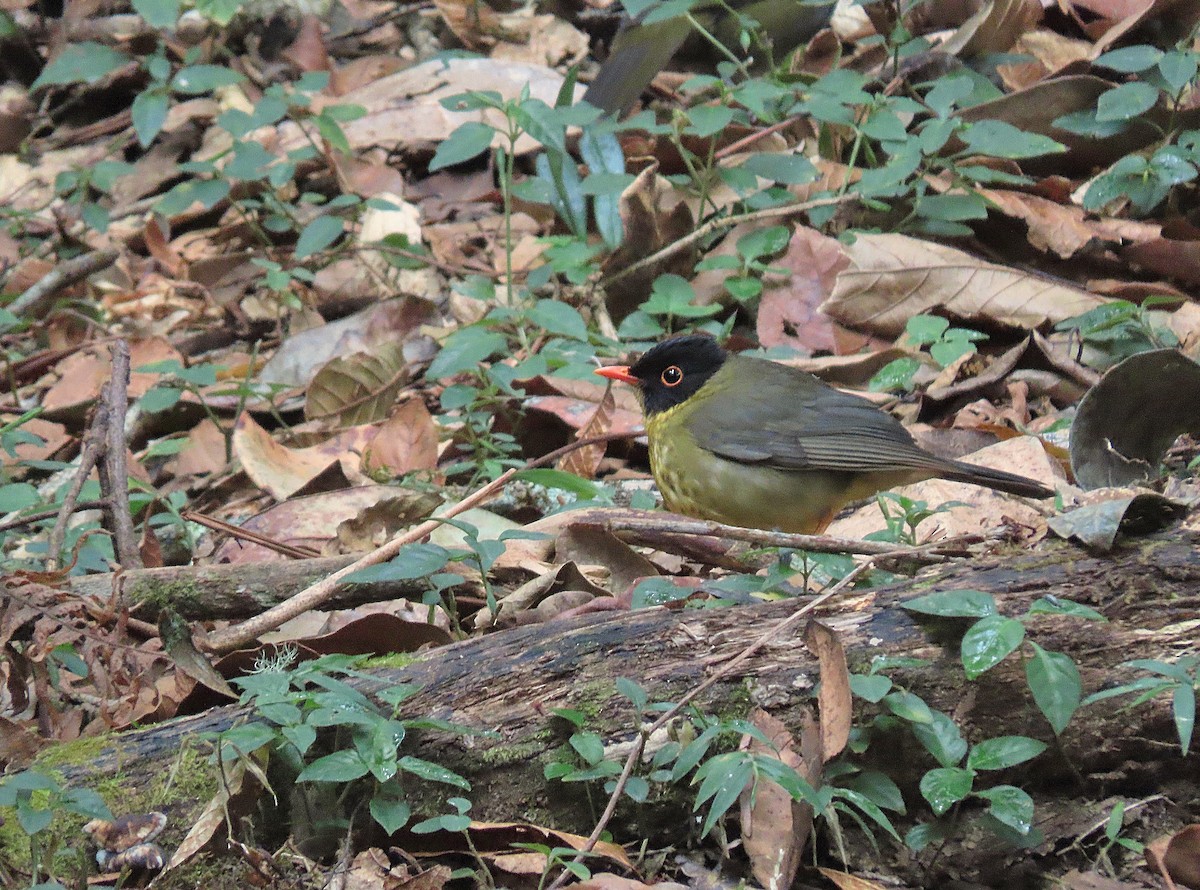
{"points": [[698, 483]]}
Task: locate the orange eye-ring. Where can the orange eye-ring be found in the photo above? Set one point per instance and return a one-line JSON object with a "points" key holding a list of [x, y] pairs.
{"points": [[672, 376]]}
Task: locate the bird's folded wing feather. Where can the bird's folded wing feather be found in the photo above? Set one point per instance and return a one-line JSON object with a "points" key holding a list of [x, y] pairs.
{"points": [[829, 430]]}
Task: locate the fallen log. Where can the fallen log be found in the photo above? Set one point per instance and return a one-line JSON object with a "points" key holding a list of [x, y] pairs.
{"points": [[507, 682]]}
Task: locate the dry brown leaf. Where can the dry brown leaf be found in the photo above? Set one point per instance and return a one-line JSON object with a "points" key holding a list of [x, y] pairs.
{"points": [[1177, 858], [1066, 230], [406, 441], [585, 461], [775, 828], [891, 278], [788, 312], [282, 471], [81, 375], [834, 699]]}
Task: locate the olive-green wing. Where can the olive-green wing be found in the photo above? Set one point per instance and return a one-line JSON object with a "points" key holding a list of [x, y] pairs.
{"points": [[787, 420]]}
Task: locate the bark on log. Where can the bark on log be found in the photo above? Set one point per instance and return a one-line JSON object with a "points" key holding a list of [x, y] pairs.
{"points": [[239, 590], [507, 682]]}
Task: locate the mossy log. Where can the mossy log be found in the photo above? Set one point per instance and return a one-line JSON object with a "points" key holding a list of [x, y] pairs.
{"points": [[507, 682]]}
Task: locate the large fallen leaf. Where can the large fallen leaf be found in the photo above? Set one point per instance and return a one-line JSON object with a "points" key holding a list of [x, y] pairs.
{"points": [[358, 388], [404, 110], [891, 278], [406, 441], [282, 471], [1128, 420]]}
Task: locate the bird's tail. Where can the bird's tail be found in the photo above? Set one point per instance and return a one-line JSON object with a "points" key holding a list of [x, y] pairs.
{"points": [[996, 479]]}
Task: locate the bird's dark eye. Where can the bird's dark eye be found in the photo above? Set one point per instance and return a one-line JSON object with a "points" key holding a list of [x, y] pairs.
{"points": [[672, 376]]}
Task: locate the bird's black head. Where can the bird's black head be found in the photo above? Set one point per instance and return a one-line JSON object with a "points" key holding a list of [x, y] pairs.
{"points": [[675, 369]]}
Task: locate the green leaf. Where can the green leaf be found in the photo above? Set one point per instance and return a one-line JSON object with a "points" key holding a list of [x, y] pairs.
{"points": [[923, 834], [1130, 59], [896, 376], [922, 330], [1126, 102], [988, 642], [85, 62], [1003, 752], [219, 11], [721, 779], [317, 235], [941, 738], [465, 350], [562, 480], [559, 318], [17, 496], [1002, 140], [953, 207], [908, 706], [764, 242], [195, 80], [708, 120], [954, 604], [149, 112], [1178, 69], [1183, 708], [672, 295], [785, 169], [1053, 605], [870, 688], [1054, 681], [391, 813], [945, 787], [181, 197], [340, 766], [413, 561], [879, 788], [1010, 805], [158, 13], [946, 352], [468, 141], [589, 746], [432, 772]]}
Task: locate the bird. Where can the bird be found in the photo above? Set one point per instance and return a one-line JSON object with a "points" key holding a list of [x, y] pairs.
{"points": [[749, 442], [642, 48]]}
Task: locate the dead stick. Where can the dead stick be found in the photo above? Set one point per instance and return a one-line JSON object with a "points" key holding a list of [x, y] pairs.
{"points": [[37, 299], [114, 474]]}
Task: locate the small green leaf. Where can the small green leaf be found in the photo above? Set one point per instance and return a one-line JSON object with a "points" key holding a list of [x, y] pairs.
{"points": [[954, 604], [413, 561], [870, 688], [941, 738], [317, 235], [1126, 102], [559, 318], [925, 329], [988, 642], [908, 706], [17, 496], [589, 746], [149, 113], [1010, 805], [1183, 708], [1054, 681], [1178, 69], [468, 141], [158, 13], [195, 80], [1130, 59], [1053, 605], [432, 772], [84, 62], [562, 480], [465, 350], [764, 242], [896, 376], [785, 169], [707, 120], [945, 787], [999, 139], [1003, 752], [391, 813], [340, 766]]}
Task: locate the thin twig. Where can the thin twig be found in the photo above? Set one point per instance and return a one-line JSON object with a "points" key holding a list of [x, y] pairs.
{"points": [[114, 474], [37, 299], [316, 594], [733, 664], [29, 518], [703, 231], [89, 454]]}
